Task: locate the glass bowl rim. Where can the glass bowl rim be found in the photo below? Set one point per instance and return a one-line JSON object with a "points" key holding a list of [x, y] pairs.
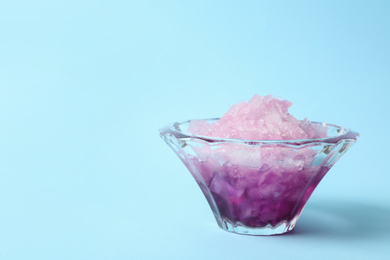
{"points": [[173, 129]]}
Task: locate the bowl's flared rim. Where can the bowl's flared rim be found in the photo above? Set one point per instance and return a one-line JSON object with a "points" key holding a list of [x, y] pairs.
{"points": [[346, 134]]}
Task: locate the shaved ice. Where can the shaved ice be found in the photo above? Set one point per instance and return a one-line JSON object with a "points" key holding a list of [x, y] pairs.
{"points": [[257, 185], [262, 118]]}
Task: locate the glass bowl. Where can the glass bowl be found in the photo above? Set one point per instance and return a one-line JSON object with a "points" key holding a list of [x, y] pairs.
{"points": [[257, 187]]}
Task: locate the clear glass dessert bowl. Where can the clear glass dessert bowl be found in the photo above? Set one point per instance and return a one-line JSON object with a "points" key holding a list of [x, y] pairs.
{"points": [[257, 187]]}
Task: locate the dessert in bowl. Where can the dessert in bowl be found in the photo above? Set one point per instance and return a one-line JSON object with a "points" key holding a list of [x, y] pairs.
{"points": [[258, 165]]}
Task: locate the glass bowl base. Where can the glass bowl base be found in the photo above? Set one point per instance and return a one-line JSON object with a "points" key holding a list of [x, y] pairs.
{"points": [[268, 230]]}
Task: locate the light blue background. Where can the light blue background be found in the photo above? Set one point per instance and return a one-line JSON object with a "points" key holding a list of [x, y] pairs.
{"points": [[85, 85]]}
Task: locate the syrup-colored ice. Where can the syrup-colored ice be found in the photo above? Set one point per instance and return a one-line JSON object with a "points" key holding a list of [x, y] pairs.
{"points": [[262, 118], [258, 185]]}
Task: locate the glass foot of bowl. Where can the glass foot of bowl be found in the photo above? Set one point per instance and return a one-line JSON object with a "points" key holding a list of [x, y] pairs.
{"points": [[282, 228]]}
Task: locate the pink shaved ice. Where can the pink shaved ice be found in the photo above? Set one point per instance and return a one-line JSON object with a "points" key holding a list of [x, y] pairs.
{"points": [[258, 185], [262, 118]]}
